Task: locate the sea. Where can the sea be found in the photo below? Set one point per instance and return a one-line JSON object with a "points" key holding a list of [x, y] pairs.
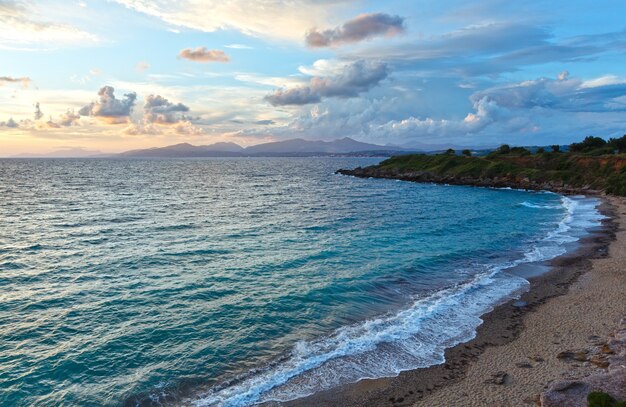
{"points": [[237, 281]]}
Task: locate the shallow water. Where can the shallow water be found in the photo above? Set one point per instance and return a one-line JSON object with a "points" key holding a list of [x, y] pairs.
{"points": [[235, 281]]}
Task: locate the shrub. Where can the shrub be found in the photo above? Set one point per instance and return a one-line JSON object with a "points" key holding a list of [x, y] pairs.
{"points": [[600, 399], [541, 150], [504, 149], [467, 153], [618, 144], [521, 151], [590, 143]]}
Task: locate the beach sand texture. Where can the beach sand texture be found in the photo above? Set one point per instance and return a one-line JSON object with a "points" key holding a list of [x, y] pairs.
{"points": [[579, 321]]}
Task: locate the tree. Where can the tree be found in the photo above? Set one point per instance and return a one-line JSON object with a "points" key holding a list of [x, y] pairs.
{"points": [[450, 152], [590, 143], [541, 150], [521, 151], [618, 144], [556, 148], [504, 149], [466, 153]]}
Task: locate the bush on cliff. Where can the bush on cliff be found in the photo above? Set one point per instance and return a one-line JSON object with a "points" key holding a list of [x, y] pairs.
{"points": [[518, 168], [618, 144], [591, 144]]}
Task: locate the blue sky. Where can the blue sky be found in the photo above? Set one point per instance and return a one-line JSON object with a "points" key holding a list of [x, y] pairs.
{"points": [[467, 73]]}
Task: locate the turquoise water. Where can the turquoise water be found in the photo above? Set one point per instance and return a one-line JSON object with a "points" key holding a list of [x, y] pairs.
{"points": [[235, 281]]}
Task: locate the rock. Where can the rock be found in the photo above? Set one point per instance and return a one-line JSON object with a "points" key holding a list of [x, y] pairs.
{"points": [[599, 361], [580, 355], [524, 365], [565, 355], [537, 358], [606, 349], [566, 393], [498, 378]]}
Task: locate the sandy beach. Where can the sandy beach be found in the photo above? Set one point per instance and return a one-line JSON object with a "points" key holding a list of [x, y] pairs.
{"points": [[568, 314]]}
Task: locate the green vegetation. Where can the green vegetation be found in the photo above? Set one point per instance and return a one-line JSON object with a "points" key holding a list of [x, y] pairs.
{"points": [[598, 146], [599, 399], [593, 164]]}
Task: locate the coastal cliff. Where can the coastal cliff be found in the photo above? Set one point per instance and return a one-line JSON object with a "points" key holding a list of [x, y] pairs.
{"points": [[554, 171]]}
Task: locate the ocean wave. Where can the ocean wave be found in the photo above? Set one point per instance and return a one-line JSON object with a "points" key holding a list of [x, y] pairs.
{"points": [[379, 347], [412, 338], [537, 206]]}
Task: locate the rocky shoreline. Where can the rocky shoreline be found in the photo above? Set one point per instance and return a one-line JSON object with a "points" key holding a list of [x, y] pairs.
{"points": [[513, 182]]}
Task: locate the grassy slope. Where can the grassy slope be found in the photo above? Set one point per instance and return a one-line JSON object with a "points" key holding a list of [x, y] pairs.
{"points": [[606, 173]]}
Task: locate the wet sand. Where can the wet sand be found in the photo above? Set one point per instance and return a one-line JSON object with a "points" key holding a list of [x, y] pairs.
{"points": [[513, 358]]}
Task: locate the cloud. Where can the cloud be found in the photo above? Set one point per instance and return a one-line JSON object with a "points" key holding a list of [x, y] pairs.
{"points": [[12, 124], [537, 111], [20, 25], [187, 128], [294, 96], [69, 118], [161, 111], [238, 46], [142, 66], [138, 129], [484, 49], [50, 124], [108, 107], [521, 108], [38, 113], [201, 54], [277, 19], [361, 28], [24, 81], [563, 94], [356, 78]]}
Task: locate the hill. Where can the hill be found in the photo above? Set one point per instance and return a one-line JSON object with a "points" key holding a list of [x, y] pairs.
{"points": [[293, 147], [590, 170]]}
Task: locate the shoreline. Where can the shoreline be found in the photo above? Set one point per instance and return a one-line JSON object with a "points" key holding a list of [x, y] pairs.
{"points": [[469, 375], [496, 183]]}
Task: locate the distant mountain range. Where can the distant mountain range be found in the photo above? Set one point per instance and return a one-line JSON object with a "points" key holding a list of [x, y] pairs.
{"points": [[69, 152], [294, 147], [288, 148]]}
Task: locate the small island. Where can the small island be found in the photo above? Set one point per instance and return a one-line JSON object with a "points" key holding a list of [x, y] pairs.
{"points": [[591, 167]]}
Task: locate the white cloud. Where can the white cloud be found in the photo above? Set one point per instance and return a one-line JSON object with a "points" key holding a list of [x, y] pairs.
{"points": [[21, 25], [238, 46], [263, 18]]}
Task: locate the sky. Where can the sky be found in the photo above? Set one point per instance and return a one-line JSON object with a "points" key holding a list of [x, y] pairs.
{"points": [[115, 75]]}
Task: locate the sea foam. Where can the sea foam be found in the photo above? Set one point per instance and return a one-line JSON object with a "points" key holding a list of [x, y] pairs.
{"points": [[413, 338]]}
